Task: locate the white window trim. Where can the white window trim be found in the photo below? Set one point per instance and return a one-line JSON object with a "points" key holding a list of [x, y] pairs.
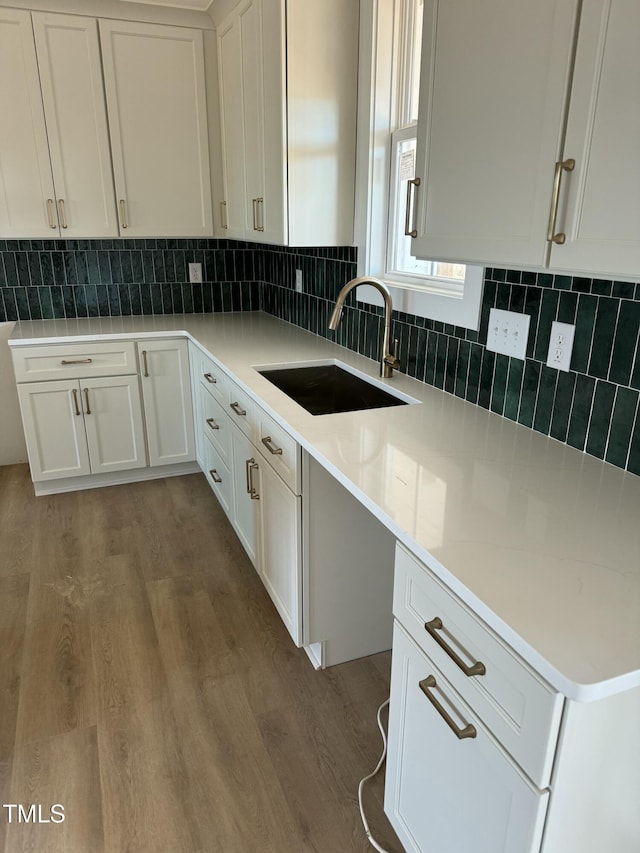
{"points": [[377, 107]]}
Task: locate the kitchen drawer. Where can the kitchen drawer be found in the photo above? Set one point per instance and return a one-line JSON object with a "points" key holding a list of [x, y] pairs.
{"points": [[210, 375], [449, 786], [74, 361], [214, 423], [280, 450], [242, 410], [521, 710], [218, 476]]}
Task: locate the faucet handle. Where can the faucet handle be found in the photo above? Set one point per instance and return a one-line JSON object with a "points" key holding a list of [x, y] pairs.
{"points": [[391, 358]]}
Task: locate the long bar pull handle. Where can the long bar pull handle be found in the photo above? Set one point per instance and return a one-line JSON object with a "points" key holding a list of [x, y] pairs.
{"points": [[76, 361], [224, 223], [260, 210], [145, 363], [415, 182], [426, 685], [253, 465], [74, 391], [254, 203], [86, 399], [62, 216], [123, 213], [50, 214], [561, 166], [212, 424], [215, 476], [246, 471], [236, 408], [211, 379], [478, 668], [271, 447]]}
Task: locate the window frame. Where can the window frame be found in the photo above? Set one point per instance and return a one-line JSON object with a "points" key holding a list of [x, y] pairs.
{"points": [[383, 68]]}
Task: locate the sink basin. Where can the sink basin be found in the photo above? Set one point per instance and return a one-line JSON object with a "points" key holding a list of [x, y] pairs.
{"points": [[325, 389]]}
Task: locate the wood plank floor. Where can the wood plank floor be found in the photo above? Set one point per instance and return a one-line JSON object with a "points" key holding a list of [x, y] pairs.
{"points": [[148, 685]]}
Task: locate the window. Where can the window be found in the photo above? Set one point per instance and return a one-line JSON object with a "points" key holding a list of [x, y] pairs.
{"points": [[390, 34]]}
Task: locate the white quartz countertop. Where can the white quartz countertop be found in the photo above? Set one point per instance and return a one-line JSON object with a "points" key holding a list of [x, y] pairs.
{"points": [[540, 540]]}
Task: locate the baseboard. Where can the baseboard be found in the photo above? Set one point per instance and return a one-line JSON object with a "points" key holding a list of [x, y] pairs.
{"points": [[117, 478]]}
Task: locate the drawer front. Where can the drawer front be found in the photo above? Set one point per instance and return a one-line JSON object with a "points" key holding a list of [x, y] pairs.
{"points": [[448, 792], [74, 361], [218, 476], [215, 424], [520, 709], [212, 378], [280, 450], [242, 410]]}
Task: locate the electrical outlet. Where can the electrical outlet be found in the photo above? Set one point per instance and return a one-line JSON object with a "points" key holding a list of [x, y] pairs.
{"points": [[195, 273], [508, 333], [560, 345], [298, 281]]}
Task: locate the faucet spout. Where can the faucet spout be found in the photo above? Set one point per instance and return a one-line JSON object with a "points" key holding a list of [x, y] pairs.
{"points": [[388, 360]]}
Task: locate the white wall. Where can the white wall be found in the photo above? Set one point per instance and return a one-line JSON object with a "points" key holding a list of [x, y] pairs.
{"points": [[12, 445]]}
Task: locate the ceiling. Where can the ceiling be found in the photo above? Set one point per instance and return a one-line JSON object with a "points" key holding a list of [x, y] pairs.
{"points": [[195, 5]]}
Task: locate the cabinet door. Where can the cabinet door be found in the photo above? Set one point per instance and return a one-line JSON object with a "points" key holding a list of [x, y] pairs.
{"points": [[231, 127], [281, 561], [251, 53], [54, 429], [493, 89], [26, 184], [245, 472], [446, 794], [166, 391], [113, 421], [602, 219], [73, 96], [154, 83]]}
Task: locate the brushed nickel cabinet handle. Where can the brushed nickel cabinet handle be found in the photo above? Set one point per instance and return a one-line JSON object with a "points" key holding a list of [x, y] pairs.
{"points": [[62, 216], [253, 465], [224, 223], [210, 378], [76, 361], [236, 408], [561, 166], [86, 398], [254, 203], [415, 182], [478, 668], [426, 685], [260, 210], [50, 216], [145, 363], [271, 447], [215, 476], [246, 472], [212, 424], [74, 392], [123, 213]]}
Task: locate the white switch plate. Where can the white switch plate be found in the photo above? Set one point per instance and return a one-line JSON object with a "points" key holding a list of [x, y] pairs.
{"points": [[298, 281], [195, 273], [560, 345], [508, 333]]}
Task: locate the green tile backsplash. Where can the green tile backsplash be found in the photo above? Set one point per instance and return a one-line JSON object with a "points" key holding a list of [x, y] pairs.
{"points": [[594, 407]]}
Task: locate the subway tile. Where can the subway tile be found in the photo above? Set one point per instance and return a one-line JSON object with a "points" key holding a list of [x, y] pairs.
{"points": [[624, 415], [473, 376], [35, 271], [600, 422], [581, 411], [562, 404], [80, 299], [486, 378], [46, 303], [625, 344], [585, 321], [104, 308], [104, 267], [33, 298], [603, 331], [498, 392], [22, 266], [529, 392], [633, 463], [451, 368], [513, 389], [69, 302], [91, 297], [124, 298], [548, 312], [9, 304], [544, 402]]}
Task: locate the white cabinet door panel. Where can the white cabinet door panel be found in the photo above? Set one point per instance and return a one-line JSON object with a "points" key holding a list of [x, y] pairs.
{"points": [[26, 185], [54, 429], [73, 95], [602, 194], [231, 129], [493, 90], [166, 391], [154, 83], [113, 420], [446, 794], [246, 511]]}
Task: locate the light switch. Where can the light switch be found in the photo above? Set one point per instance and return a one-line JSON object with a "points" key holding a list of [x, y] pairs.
{"points": [[508, 333]]}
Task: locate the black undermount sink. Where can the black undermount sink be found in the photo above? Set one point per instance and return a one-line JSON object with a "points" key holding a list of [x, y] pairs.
{"points": [[325, 389]]}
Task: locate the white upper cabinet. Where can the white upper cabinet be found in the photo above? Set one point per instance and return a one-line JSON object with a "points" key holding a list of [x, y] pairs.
{"points": [[73, 96], [155, 89], [600, 203], [26, 184], [287, 75], [492, 94]]}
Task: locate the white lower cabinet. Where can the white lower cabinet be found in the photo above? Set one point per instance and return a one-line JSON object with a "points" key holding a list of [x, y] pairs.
{"points": [[166, 390], [450, 786], [245, 475], [78, 427]]}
